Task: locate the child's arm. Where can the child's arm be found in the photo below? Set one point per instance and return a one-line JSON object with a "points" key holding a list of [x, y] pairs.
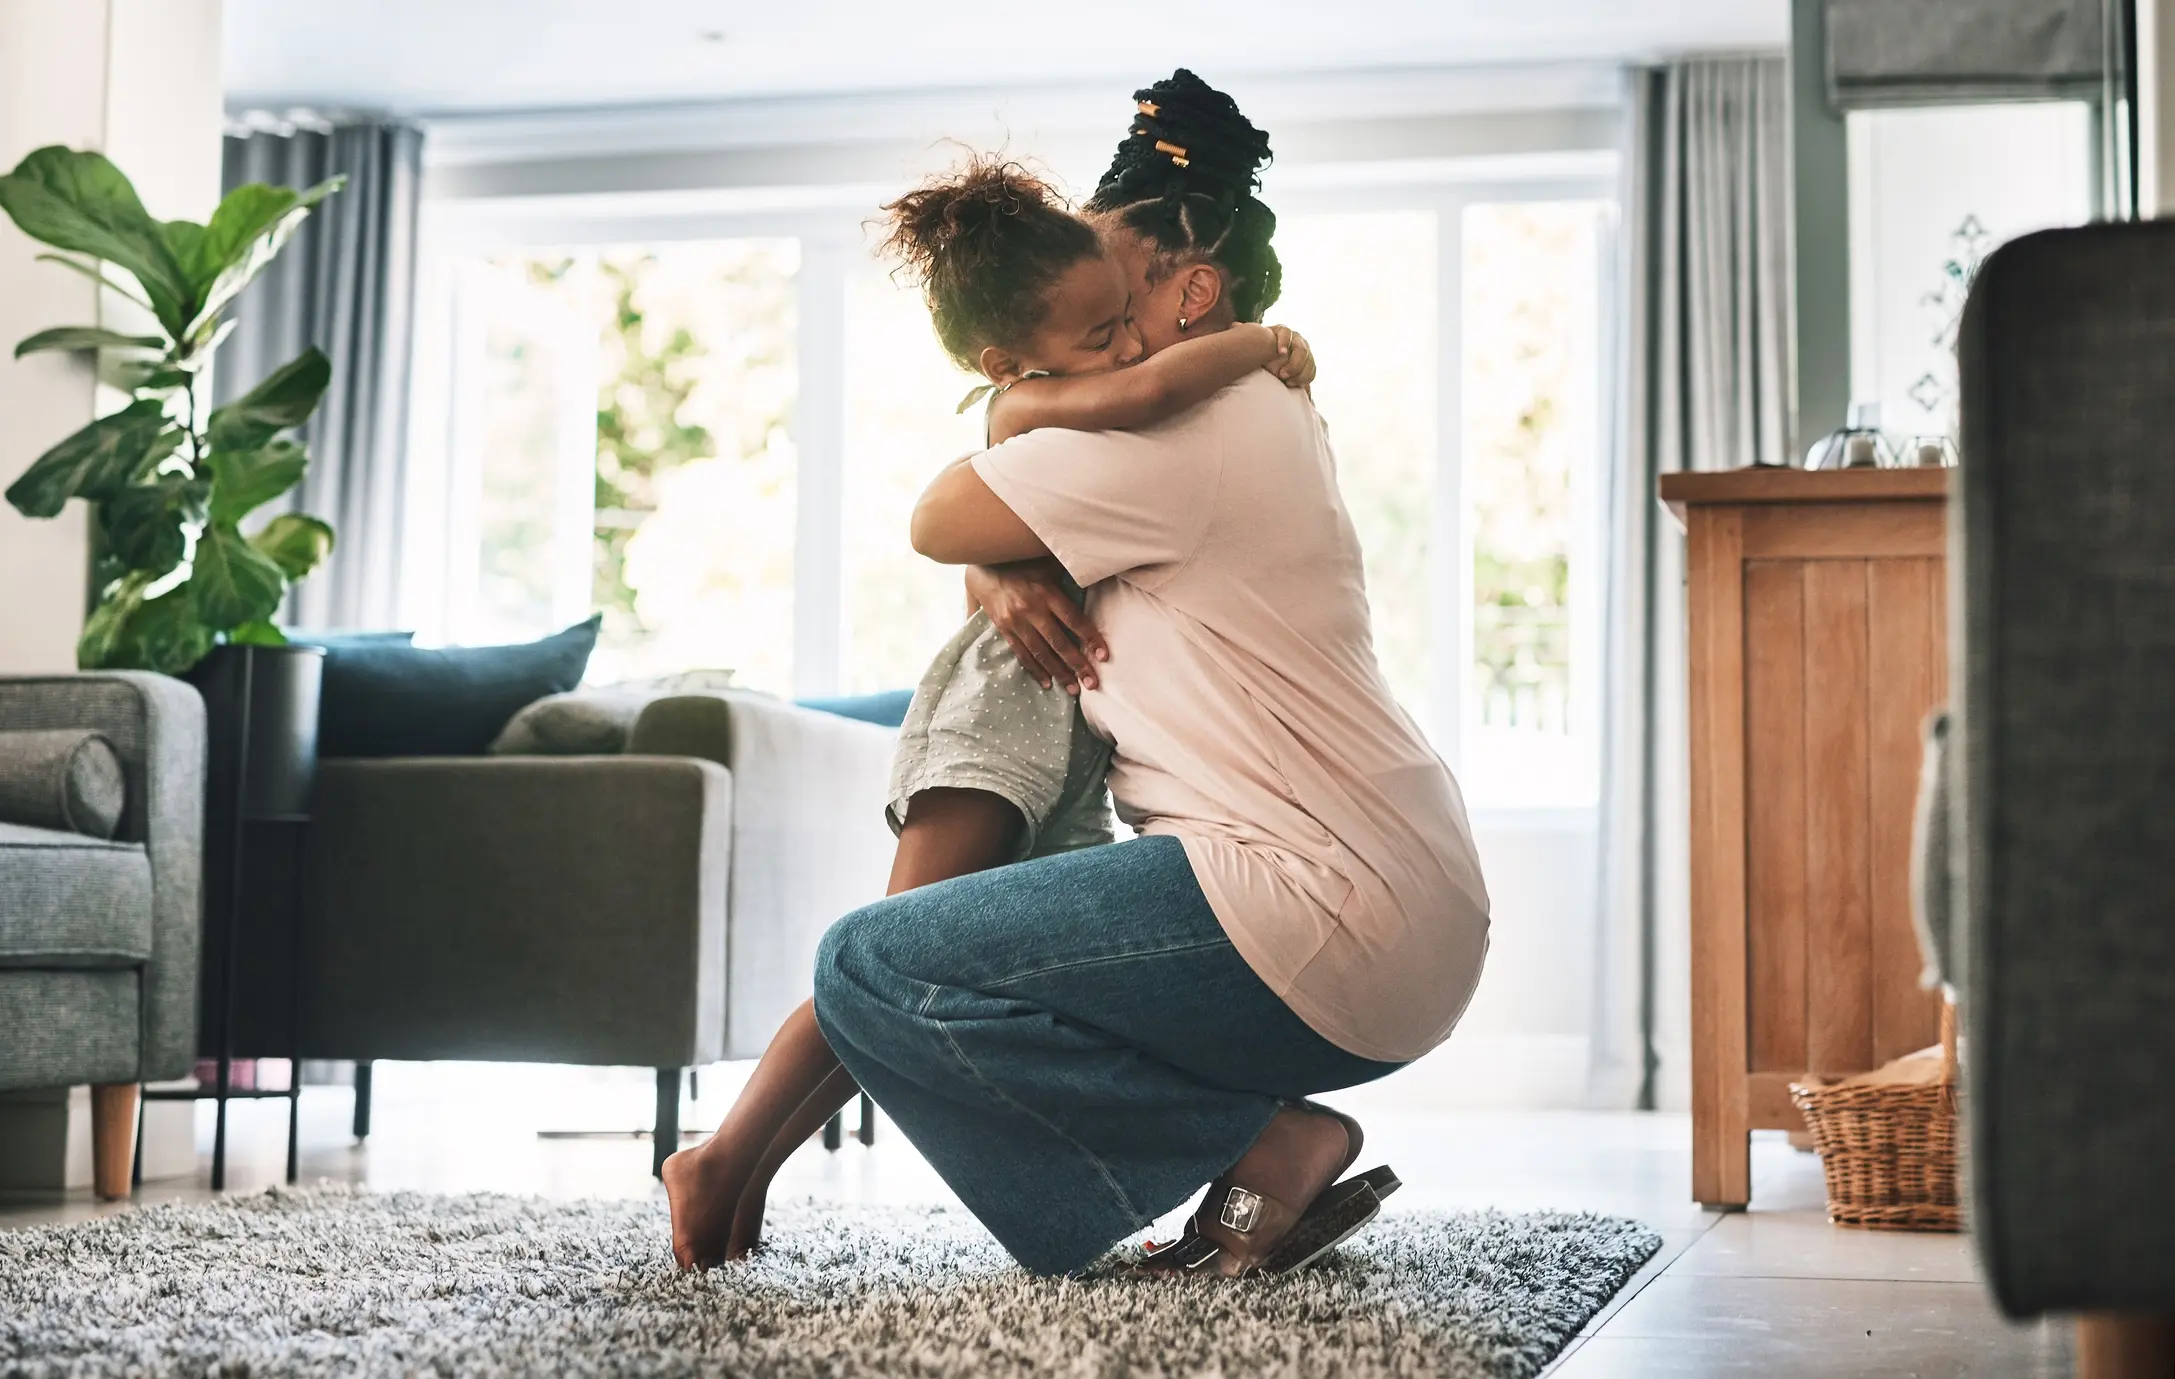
{"points": [[1163, 385]]}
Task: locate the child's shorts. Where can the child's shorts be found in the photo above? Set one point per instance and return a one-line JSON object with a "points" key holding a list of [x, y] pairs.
{"points": [[981, 721]]}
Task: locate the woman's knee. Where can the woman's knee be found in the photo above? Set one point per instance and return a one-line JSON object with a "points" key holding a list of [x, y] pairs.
{"points": [[850, 970]]}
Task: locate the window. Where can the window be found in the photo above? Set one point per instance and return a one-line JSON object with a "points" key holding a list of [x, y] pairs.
{"points": [[902, 426], [718, 441], [1926, 208], [1375, 337], [628, 421], [1480, 551], [1531, 324]]}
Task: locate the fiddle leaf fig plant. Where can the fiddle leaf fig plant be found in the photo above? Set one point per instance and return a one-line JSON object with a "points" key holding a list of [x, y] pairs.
{"points": [[170, 485]]}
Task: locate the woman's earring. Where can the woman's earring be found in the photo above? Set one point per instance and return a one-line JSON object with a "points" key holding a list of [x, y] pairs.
{"points": [[1184, 321]]}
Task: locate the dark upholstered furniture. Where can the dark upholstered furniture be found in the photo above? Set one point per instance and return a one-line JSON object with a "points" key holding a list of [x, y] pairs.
{"points": [[98, 938], [2062, 777], [655, 909]]}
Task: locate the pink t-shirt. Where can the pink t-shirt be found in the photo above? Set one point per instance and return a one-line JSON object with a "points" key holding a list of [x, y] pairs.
{"points": [[1248, 715]]}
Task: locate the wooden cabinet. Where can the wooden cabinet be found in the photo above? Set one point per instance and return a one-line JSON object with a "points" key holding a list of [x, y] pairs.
{"points": [[1818, 643]]}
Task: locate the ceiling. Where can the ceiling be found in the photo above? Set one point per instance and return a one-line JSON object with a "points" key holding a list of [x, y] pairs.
{"points": [[453, 56]]}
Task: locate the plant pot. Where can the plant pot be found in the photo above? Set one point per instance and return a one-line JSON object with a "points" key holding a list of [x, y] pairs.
{"points": [[260, 708]]}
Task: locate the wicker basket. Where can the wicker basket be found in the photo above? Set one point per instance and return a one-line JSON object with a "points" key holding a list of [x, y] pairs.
{"points": [[1887, 1140]]}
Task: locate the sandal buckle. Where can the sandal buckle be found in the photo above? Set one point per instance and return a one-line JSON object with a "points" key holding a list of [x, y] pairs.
{"points": [[1241, 1210]]}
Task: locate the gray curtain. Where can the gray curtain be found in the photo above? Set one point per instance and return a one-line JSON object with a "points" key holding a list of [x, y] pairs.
{"points": [[347, 285], [1704, 384]]}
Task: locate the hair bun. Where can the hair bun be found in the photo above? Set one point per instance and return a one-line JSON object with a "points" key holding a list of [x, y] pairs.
{"points": [[1222, 151], [956, 224], [1184, 181]]}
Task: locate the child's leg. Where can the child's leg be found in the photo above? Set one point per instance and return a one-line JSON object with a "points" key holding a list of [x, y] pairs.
{"points": [[718, 1189]]}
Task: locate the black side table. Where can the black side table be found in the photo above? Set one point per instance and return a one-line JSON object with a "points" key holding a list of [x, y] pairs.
{"points": [[261, 715]]}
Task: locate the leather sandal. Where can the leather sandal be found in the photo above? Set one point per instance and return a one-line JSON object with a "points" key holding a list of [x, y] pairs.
{"points": [[1334, 1216]]}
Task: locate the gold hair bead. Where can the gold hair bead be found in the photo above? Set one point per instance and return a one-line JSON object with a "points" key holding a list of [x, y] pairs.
{"points": [[1148, 108], [1178, 155]]}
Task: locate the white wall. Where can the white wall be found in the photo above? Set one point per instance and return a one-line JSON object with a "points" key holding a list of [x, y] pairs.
{"points": [[139, 80]]}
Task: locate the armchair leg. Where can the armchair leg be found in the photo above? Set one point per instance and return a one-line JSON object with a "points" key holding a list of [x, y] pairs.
{"points": [[867, 1132], [2114, 1345], [113, 1138], [834, 1130], [666, 1137]]}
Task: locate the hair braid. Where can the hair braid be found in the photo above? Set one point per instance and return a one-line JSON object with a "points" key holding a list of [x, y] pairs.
{"points": [[1196, 204]]}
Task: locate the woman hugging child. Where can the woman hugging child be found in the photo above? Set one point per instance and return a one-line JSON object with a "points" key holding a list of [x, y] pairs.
{"points": [[995, 763]]}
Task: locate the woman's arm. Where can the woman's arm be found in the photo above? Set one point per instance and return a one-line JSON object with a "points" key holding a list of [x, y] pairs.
{"points": [[1031, 607], [1160, 386], [960, 521]]}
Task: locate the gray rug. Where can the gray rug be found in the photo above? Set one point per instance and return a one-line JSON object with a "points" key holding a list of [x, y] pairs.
{"points": [[331, 1281]]}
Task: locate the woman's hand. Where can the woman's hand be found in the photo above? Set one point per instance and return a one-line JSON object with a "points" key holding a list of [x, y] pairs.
{"points": [[1028, 603], [1294, 366]]}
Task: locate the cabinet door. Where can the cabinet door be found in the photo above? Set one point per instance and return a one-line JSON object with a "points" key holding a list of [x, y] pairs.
{"points": [[1843, 659]]}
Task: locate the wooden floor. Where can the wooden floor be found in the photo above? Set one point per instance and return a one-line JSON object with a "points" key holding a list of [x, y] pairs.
{"points": [[1774, 1292]]}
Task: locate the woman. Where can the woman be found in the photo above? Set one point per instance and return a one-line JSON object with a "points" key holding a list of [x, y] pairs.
{"points": [[1078, 1042]]}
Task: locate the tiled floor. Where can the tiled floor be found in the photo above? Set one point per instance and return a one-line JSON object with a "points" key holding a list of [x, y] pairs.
{"points": [[1774, 1292]]}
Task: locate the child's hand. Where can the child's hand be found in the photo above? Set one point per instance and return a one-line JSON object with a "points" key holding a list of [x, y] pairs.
{"points": [[1294, 366]]}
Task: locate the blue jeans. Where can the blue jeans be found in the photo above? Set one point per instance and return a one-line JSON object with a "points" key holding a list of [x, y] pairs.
{"points": [[1071, 1041]]}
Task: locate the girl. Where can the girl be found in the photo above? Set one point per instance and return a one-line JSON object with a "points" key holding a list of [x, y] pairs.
{"points": [[994, 762]]}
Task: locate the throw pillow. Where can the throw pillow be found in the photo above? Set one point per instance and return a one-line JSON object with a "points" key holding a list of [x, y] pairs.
{"points": [[887, 708], [388, 699], [585, 723], [68, 779]]}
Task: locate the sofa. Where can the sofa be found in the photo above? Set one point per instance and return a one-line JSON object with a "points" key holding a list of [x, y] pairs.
{"points": [[99, 934], [2060, 866], [654, 908]]}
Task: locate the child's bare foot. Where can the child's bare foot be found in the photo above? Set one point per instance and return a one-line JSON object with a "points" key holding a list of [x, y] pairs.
{"points": [[704, 1189]]}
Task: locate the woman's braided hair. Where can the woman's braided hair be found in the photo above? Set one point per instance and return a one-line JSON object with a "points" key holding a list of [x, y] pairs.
{"points": [[1184, 181], [985, 244]]}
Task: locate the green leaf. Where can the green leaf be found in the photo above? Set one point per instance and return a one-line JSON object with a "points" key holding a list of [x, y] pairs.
{"points": [[284, 399], [105, 631], [168, 633], [145, 376], [146, 524], [86, 338], [247, 232], [90, 270], [232, 583], [295, 542], [244, 482], [257, 634], [92, 463], [80, 202], [163, 444]]}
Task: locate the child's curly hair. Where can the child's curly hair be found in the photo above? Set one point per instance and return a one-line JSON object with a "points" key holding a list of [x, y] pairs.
{"points": [[986, 243]]}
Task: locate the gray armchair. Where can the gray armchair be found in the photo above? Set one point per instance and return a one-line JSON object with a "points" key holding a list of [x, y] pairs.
{"points": [[657, 909], [98, 938], [2062, 779]]}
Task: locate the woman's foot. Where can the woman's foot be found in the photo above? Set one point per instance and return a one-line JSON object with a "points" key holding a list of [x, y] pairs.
{"points": [[1294, 1159], [705, 1187]]}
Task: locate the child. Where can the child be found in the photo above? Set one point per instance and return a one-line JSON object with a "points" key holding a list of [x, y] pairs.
{"points": [[993, 765]]}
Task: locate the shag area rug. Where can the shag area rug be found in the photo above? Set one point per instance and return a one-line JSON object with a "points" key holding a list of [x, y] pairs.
{"points": [[334, 1281]]}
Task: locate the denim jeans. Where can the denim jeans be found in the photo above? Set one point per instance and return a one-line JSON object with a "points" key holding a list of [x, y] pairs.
{"points": [[1071, 1041]]}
